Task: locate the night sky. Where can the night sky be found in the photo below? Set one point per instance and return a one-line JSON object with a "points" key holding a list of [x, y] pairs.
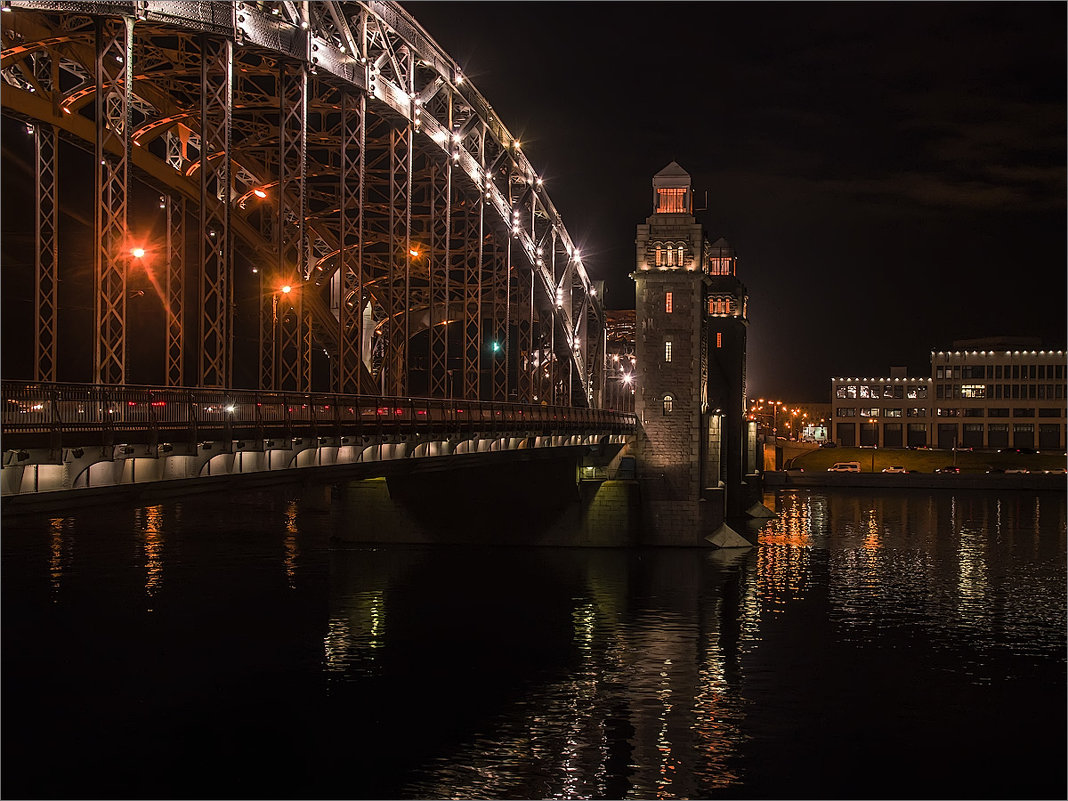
{"points": [[891, 175]]}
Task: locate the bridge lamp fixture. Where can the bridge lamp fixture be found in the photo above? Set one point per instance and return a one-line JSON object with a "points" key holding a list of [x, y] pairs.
{"points": [[138, 253], [627, 378], [286, 289], [259, 193], [413, 253], [496, 347]]}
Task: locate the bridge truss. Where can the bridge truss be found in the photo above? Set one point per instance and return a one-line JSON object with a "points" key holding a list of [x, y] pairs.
{"points": [[337, 205]]}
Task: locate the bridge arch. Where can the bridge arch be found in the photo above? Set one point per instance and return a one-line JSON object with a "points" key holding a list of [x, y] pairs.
{"points": [[330, 147]]}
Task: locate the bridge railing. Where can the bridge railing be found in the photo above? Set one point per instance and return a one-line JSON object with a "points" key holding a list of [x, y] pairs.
{"points": [[191, 413]]}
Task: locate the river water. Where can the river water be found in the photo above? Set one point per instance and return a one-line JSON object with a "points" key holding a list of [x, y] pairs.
{"points": [[876, 644]]}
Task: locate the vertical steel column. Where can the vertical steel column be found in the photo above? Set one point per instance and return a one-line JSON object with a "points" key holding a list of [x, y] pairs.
{"points": [[294, 356], [46, 252], [524, 317], [400, 242], [500, 264], [216, 258], [174, 299], [268, 332], [114, 74], [472, 323], [438, 262], [347, 366]]}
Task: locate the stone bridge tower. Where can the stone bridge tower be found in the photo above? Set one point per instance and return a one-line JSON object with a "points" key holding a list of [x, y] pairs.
{"points": [[690, 340]]}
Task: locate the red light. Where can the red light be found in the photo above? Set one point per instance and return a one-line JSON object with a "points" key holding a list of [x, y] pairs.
{"points": [[159, 403], [131, 403]]}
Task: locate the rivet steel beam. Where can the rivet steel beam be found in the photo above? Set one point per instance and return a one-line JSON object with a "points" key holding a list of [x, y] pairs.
{"points": [[216, 266], [114, 74]]}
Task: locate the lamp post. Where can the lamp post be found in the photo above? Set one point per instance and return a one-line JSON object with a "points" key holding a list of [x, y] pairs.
{"points": [[875, 441]]}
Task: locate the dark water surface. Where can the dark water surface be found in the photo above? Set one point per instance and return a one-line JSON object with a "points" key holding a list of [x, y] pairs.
{"points": [[875, 645]]}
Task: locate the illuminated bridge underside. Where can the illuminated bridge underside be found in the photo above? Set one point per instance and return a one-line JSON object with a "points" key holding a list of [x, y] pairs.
{"points": [[76, 437], [331, 147]]}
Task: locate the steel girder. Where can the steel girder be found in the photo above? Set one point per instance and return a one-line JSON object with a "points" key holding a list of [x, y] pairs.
{"points": [[114, 55], [442, 140], [46, 255], [174, 299], [216, 101]]}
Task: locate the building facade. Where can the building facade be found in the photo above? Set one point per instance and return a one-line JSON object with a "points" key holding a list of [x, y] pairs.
{"points": [[994, 395], [690, 327]]}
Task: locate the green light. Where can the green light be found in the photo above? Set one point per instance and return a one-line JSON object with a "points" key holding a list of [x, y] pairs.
{"points": [[496, 347]]}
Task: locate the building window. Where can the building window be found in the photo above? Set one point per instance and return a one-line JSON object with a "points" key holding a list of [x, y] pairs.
{"points": [[973, 391], [1047, 412], [914, 412], [668, 403], [671, 200], [667, 351], [891, 413], [671, 256], [996, 412], [840, 392], [659, 256], [1023, 412], [719, 339], [679, 256], [667, 302]]}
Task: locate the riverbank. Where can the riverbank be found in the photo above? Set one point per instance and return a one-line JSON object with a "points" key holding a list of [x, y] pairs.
{"points": [[978, 481]]}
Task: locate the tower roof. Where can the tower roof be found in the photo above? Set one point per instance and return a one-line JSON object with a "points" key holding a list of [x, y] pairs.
{"points": [[671, 176], [673, 169]]}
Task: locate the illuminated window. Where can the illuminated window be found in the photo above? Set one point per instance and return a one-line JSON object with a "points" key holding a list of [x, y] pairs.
{"points": [[667, 302], [671, 256], [671, 201], [720, 266], [667, 351], [668, 402], [659, 256], [679, 256], [973, 391], [719, 339]]}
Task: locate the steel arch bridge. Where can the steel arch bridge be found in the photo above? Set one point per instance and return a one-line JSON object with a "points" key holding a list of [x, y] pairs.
{"points": [[334, 203]]}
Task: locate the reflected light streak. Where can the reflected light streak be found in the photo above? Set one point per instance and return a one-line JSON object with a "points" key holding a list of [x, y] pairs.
{"points": [[152, 523], [58, 554], [292, 551]]}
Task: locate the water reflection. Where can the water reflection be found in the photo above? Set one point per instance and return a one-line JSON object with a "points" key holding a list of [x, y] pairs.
{"points": [[290, 544], [896, 563], [59, 553], [150, 521], [456, 672], [647, 703]]}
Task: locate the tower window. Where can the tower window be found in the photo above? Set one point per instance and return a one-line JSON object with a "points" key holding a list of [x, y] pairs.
{"points": [[670, 256], [668, 403], [680, 252], [719, 339], [671, 200], [667, 302], [667, 351], [659, 256]]}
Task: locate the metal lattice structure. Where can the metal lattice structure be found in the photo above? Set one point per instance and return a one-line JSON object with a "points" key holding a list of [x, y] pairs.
{"points": [[329, 147]]}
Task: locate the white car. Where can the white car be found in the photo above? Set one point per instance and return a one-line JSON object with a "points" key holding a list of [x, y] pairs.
{"points": [[894, 468]]}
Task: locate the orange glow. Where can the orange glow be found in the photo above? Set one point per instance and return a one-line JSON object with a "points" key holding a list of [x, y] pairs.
{"points": [[413, 253], [287, 289], [138, 253], [259, 193]]}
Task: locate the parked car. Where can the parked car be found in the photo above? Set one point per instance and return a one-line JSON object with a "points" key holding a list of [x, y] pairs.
{"points": [[895, 468], [995, 470], [844, 467], [1017, 470], [1058, 471], [948, 469], [829, 445]]}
